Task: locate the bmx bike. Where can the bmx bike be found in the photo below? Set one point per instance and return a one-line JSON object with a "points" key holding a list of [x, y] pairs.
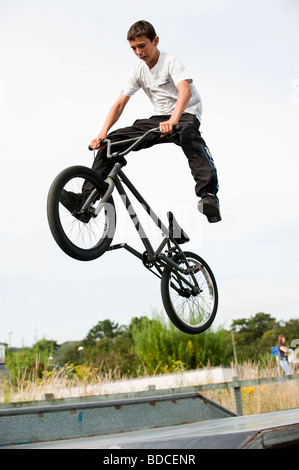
{"points": [[188, 287]]}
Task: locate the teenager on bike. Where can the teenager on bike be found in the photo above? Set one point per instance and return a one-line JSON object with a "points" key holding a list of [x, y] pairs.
{"points": [[170, 88]]}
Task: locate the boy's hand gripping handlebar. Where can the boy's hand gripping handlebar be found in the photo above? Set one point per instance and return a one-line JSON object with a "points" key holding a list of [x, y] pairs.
{"points": [[134, 141]]}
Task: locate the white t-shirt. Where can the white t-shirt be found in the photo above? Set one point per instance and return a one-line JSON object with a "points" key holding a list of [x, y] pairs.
{"points": [[159, 83]]}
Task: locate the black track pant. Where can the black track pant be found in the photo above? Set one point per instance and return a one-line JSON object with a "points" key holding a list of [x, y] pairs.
{"points": [[189, 138]]}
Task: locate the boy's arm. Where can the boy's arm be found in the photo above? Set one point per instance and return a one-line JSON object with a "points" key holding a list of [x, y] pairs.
{"points": [[181, 104], [113, 116]]}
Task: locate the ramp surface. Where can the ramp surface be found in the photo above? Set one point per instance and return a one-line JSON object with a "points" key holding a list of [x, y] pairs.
{"points": [[268, 430]]}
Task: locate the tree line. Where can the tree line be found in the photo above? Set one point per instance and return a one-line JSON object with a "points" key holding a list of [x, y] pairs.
{"points": [[153, 345]]}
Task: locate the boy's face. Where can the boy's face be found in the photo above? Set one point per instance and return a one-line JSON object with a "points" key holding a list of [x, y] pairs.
{"points": [[146, 49]]}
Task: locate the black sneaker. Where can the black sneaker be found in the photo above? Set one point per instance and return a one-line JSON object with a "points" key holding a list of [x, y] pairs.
{"points": [[209, 206], [73, 203]]}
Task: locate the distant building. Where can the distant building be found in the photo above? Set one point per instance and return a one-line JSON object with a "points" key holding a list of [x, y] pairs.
{"points": [[3, 370]]}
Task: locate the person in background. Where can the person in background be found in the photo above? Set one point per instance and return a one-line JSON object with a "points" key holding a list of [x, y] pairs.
{"points": [[283, 354]]}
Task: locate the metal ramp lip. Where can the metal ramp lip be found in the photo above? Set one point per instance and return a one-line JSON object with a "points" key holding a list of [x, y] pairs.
{"points": [[116, 403]]}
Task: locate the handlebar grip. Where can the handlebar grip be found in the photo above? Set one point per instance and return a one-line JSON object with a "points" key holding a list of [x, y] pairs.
{"points": [[175, 128], [102, 142]]}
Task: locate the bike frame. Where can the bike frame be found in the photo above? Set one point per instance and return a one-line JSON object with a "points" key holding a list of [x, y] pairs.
{"points": [[150, 257]]}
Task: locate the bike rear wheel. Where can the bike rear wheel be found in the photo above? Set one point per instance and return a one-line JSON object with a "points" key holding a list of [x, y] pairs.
{"points": [[190, 300], [85, 239]]}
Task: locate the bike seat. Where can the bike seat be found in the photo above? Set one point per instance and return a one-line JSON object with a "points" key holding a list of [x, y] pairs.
{"points": [[176, 231]]}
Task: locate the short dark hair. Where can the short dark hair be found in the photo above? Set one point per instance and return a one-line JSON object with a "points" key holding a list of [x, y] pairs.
{"points": [[141, 28]]}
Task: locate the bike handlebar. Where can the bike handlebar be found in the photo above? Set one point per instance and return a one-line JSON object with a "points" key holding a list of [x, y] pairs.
{"points": [[135, 141]]}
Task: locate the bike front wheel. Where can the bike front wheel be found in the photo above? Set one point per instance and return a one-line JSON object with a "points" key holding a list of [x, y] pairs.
{"points": [[190, 300], [84, 237]]}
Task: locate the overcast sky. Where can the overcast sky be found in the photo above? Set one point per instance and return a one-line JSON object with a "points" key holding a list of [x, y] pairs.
{"points": [[62, 65]]}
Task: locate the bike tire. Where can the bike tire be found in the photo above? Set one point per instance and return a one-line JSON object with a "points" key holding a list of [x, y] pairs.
{"points": [[196, 313], [83, 241]]}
